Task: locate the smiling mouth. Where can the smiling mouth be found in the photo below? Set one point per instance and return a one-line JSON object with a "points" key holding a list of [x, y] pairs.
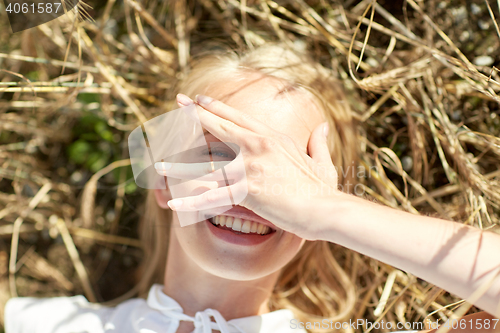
{"points": [[239, 226]]}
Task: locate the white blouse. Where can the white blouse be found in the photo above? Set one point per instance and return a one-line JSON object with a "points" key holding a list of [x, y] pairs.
{"points": [[158, 314]]}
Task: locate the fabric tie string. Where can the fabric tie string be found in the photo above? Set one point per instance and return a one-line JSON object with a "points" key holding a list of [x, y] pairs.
{"points": [[201, 320]]}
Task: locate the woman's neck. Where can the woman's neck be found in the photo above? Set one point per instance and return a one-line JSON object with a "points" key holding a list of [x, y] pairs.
{"points": [[196, 289]]}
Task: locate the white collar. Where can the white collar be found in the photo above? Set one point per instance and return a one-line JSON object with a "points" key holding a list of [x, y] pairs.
{"points": [[270, 322]]}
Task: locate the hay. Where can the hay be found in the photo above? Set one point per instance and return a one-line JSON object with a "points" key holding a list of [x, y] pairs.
{"points": [[424, 88]]}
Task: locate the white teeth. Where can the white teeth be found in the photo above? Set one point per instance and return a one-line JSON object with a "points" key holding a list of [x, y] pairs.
{"points": [[229, 221], [237, 224], [254, 227], [245, 227]]}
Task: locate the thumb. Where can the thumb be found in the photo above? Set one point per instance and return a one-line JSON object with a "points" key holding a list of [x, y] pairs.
{"points": [[320, 154], [318, 147]]}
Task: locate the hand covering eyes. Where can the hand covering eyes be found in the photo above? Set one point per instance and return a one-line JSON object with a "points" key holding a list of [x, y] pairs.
{"points": [[185, 162]]}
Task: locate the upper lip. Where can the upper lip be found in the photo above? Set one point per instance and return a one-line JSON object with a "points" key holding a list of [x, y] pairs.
{"points": [[246, 214]]}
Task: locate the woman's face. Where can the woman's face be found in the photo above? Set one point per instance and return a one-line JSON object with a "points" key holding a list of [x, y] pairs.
{"points": [[222, 251]]}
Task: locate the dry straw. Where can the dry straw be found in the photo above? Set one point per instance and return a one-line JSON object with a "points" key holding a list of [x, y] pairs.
{"points": [[422, 80]]}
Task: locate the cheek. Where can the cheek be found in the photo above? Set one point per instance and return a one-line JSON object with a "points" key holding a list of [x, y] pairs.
{"points": [[290, 250], [184, 236]]}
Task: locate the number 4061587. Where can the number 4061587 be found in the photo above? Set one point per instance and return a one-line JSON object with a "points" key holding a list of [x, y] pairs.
{"points": [[31, 8]]}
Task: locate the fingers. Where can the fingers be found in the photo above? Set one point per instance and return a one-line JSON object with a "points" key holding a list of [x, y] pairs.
{"points": [[221, 128], [208, 171], [183, 100], [225, 122], [222, 196], [235, 116]]}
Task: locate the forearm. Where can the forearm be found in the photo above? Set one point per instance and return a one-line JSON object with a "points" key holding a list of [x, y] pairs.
{"points": [[453, 256]]}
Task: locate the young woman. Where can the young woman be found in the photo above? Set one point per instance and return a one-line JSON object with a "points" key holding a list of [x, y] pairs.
{"points": [[266, 264]]}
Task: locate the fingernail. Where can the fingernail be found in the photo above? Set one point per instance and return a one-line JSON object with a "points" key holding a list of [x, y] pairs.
{"points": [[203, 100], [174, 204], [326, 129], [184, 100], [162, 166]]}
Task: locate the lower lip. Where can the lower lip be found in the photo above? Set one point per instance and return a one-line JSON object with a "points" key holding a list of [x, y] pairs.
{"points": [[242, 239]]}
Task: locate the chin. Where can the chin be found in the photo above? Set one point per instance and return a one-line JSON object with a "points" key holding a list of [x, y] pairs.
{"points": [[239, 269]]}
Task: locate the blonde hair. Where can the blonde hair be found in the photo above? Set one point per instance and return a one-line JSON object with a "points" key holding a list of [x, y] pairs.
{"points": [[313, 285]]}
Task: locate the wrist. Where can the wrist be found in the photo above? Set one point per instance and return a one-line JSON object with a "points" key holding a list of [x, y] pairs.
{"points": [[327, 214]]}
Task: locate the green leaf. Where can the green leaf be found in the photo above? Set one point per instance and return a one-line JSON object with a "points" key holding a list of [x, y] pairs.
{"points": [[78, 151], [33, 76], [97, 160], [102, 129], [89, 98]]}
